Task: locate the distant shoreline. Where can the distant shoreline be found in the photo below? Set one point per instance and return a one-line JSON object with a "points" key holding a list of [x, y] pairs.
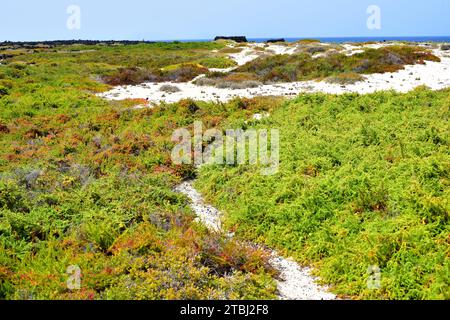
{"points": [[258, 40]]}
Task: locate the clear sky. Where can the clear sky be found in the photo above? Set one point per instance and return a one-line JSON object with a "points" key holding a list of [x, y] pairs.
{"points": [[204, 19]]}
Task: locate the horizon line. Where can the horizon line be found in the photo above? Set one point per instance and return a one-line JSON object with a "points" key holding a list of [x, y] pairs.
{"points": [[212, 38]]}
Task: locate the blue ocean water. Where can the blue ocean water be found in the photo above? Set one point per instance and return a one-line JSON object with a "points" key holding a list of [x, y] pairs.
{"points": [[348, 39]]}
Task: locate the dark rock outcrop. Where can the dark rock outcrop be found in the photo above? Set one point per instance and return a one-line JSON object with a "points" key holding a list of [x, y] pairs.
{"points": [[239, 39], [445, 47], [276, 40]]}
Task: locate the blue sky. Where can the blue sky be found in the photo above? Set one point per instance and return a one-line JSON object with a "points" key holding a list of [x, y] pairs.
{"points": [[204, 19]]}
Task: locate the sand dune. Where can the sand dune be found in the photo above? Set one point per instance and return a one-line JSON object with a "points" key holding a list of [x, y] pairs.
{"points": [[435, 75]]}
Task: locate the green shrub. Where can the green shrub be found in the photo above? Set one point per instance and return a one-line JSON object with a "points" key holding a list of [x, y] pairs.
{"points": [[169, 88], [308, 41], [3, 91], [217, 62], [345, 78]]}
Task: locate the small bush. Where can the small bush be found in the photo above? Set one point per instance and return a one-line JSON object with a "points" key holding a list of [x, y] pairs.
{"points": [[224, 83], [240, 77], [234, 80], [12, 197], [184, 73], [308, 41], [169, 88], [188, 105], [3, 91], [231, 50], [315, 49], [217, 62], [259, 49], [134, 76], [345, 78], [8, 84], [130, 76], [392, 58], [204, 82], [4, 128], [238, 85]]}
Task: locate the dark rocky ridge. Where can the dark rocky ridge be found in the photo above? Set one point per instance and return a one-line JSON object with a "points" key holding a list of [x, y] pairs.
{"points": [[239, 39], [276, 40]]}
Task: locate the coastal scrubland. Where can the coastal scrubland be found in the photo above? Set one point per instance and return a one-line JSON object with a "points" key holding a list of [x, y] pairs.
{"points": [[88, 182], [363, 181], [303, 65]]}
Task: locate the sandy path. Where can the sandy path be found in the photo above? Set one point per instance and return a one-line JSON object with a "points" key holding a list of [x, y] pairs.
{"points": [[294, 283]]}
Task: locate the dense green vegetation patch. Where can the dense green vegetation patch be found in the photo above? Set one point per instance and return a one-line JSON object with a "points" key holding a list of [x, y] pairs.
{"points": [[363, 181], [217, 62]]}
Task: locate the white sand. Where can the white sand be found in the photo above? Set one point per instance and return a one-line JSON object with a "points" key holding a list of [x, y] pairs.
{"points": [[435, 75], [246, 55]]}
